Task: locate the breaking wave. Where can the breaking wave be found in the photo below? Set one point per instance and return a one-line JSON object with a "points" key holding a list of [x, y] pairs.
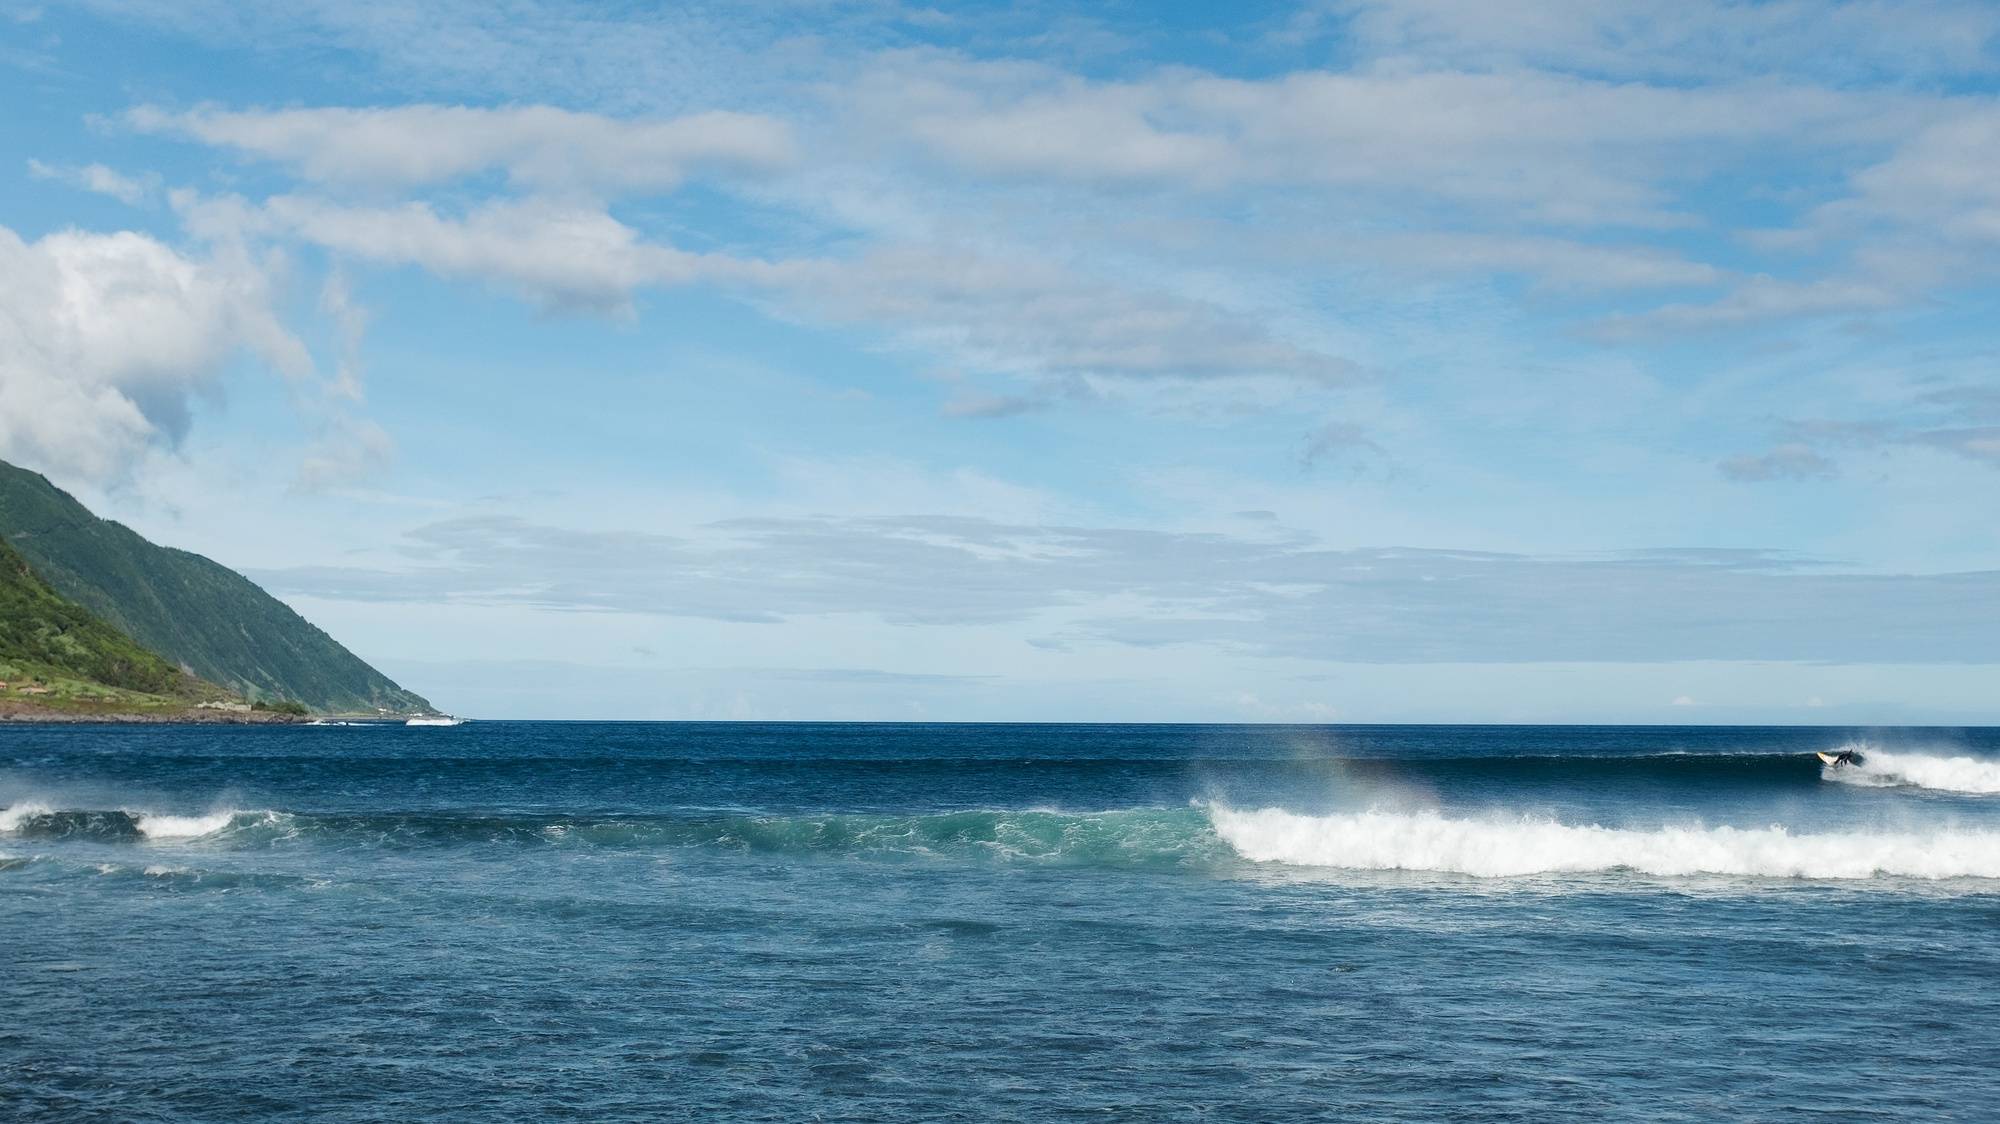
{"points": [[1195, 837], [1502, 848], [1880, 768], [39, 821], [1132, 837]]}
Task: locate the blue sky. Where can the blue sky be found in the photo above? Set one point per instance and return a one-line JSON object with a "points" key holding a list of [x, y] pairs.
{"points": [[1386, 360]]}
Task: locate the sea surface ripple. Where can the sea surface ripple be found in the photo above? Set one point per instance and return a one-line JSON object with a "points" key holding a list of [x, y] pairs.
{"points": [[738, 922]]}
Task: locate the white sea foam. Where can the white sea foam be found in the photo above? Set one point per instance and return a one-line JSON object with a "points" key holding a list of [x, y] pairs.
{"points": [[12, 815], [1880, 768], [182, 827], [1501, 848]]}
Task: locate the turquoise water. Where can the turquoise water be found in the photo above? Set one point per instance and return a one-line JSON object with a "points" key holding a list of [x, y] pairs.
{"points": [[851, 922]]}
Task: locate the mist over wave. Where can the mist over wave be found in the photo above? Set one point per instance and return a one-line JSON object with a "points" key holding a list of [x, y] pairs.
{"points": [[1879, 768], [1501, 848]]}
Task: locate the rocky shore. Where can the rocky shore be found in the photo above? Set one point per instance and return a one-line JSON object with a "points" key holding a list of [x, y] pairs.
{"points": [[11, 711]]}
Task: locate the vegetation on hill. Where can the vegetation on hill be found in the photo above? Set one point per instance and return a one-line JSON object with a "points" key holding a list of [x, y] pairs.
{"points": [[212, 621], [39, 627], [55, 656]]}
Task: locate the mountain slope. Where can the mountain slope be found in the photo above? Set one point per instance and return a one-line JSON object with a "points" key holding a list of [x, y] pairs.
{"points": [[211, 620], [42, 632]]}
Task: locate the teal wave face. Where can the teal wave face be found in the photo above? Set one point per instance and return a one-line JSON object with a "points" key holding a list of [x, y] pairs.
{"points": [[738, 923], [1137, 837], [1200, 837]]}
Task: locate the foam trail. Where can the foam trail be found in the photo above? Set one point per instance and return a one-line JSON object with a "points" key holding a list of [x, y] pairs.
{"points": [[1882, 769], [1496, 848], [182, 827]]}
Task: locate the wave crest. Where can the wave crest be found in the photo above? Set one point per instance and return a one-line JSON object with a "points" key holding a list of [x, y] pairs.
{"points": [[1129, 837], [39, 821], [1498, 848], [1880, 768]]}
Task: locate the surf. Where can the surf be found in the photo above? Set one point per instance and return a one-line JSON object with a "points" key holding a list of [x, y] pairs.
{"points": [[1504, 847], [1880, 768], [1116, 837], [35, 820]]}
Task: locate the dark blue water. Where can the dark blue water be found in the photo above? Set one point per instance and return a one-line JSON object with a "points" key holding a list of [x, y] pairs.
{"points": [[848, 922]]}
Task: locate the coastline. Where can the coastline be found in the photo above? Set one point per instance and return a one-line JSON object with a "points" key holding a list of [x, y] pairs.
{"points": [[19, 713]]}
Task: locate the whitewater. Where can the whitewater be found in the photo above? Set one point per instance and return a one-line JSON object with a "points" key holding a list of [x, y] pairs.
{"points": [[748, 922], [1886, 769]]}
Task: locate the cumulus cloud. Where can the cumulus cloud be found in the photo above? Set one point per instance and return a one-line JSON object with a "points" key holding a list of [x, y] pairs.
{"points": [[105, 340], [1283, 596], [541, 148]]}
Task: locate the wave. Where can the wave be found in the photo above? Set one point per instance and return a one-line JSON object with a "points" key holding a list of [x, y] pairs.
{"points": [[1195, 837], [1132, 837], [1878, 768], [39, 821], [1502, 848]]}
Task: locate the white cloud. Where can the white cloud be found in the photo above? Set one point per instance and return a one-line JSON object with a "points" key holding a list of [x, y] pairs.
{"points": [[105, 339], [1681, 38], [559, 255], [1938, 185], [1031, 317], [1923, 218], [1958, 420], [351, 449], [1978, 443], [98, 178], [540, 148], [1291, 596], [1553, 262], [1760, 300], [993, 406], [1548, 147], [1014, 314]]}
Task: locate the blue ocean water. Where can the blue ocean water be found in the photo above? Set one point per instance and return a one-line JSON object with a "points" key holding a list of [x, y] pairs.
{"points": [[734, 922]]}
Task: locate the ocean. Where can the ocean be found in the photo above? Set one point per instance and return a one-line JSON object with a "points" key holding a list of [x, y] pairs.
{"points": [[738, 922]]}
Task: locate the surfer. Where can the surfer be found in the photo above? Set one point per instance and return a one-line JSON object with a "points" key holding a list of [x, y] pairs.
{"points": [[1839, 757]]}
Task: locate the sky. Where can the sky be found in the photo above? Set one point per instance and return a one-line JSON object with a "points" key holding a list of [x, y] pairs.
{"points": [[1360, 361]]}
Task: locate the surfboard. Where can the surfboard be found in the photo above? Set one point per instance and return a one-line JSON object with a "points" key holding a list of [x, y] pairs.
{"points": [[1826, 758]]}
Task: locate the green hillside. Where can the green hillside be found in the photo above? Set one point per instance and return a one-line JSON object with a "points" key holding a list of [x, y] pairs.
{"points": [[211, 620], [42, 634]]}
